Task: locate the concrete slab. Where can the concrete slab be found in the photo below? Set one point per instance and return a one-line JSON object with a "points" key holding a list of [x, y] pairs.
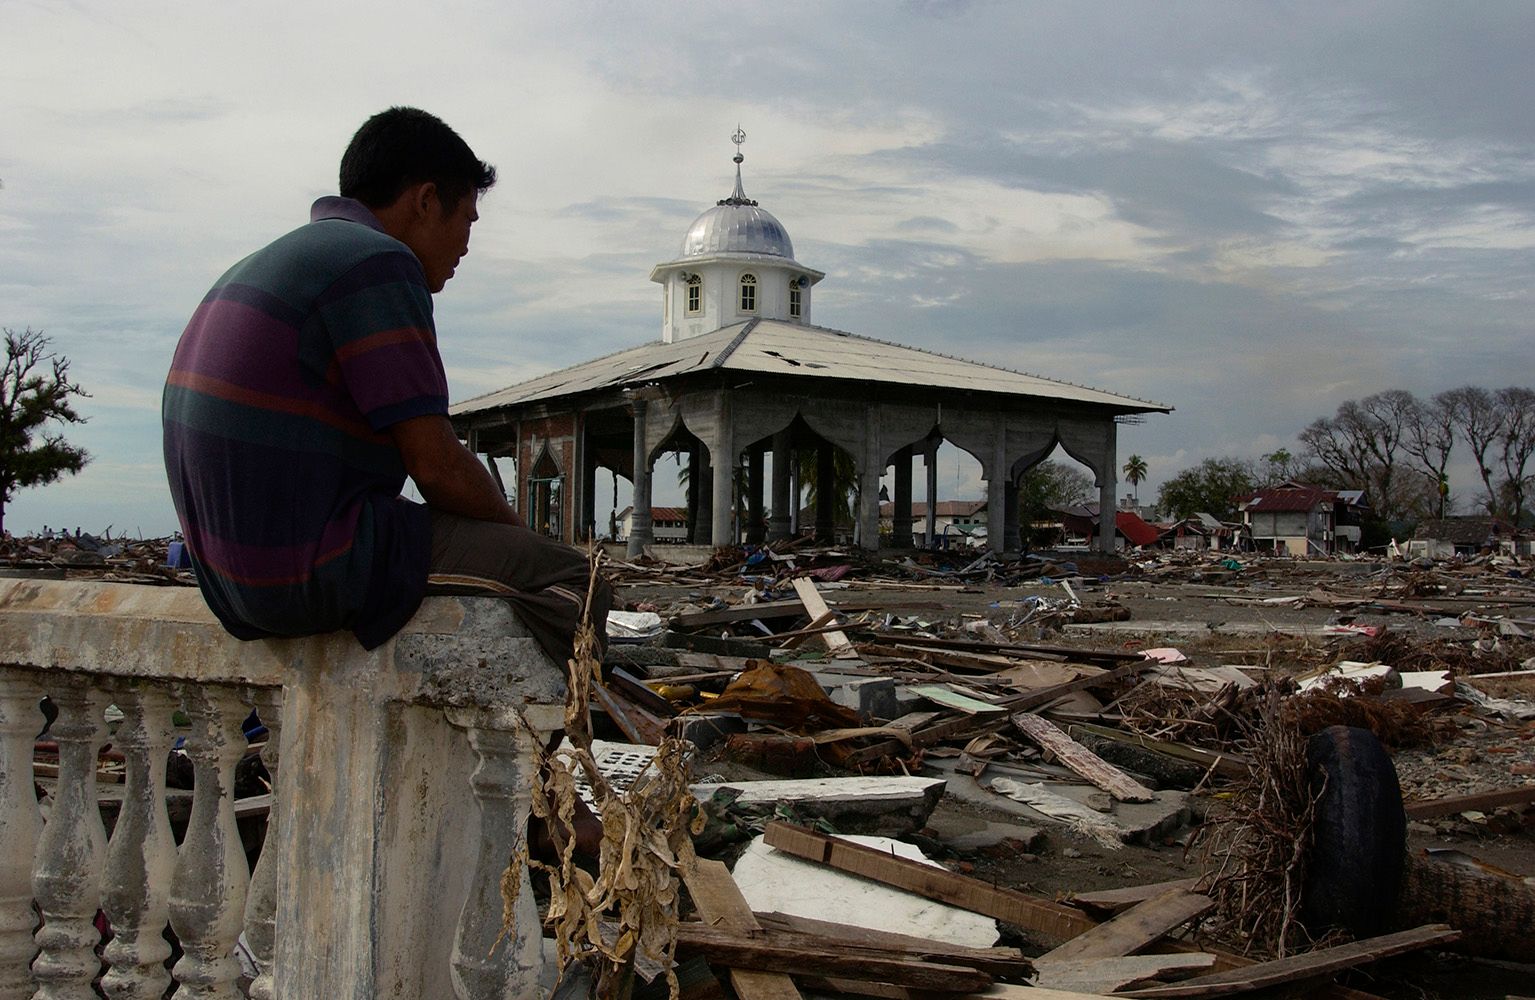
{"points": [[772, 880], [884, 805], [874, 697], [967, 834], [1135, 822]]}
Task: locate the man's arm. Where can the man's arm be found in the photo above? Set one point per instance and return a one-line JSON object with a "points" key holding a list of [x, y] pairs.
{"points": [[448, 475]]}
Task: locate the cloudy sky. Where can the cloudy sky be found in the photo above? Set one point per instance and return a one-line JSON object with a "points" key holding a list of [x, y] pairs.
{"points": [[1250, 211]]}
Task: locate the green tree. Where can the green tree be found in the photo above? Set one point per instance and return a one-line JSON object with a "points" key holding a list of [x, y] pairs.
{"points": [[1211, 487], [35, 393], [1135, 471]]}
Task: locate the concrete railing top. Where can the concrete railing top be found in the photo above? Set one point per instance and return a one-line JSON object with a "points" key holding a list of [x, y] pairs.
{"points": [[457, 652]]}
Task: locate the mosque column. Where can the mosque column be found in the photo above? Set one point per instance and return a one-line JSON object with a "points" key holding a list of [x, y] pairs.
{"points": [[586, 501], [996, 495], [900, 519], [1107, 485], [724, 458], [703, 496], [795, 493], [1011, 541], [783, 458], [930, 462], [640, 530], [825, 486], [756, 531]]}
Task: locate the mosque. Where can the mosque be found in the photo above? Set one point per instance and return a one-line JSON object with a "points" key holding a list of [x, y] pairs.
{"points": [[740, 373]]}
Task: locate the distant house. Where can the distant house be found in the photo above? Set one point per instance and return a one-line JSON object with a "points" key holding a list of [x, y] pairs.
{"points": [[1445, 538], [670, 524], [1299, 520], [1203, 533], [1130, 530], [954, 521]]}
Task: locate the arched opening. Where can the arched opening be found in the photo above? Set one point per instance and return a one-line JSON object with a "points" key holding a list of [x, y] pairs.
{"points": [[546, 497], [1057, 500]]}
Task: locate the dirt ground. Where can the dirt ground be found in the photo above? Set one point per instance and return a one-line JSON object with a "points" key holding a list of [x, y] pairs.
{"points": [[1217, 622]]}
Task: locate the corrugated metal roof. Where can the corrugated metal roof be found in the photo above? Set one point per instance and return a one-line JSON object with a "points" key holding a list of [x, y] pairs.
{"points": [[795, 349]]}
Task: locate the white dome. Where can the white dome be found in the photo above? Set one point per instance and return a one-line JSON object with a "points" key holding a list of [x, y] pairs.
{"points": [[737, 227]]}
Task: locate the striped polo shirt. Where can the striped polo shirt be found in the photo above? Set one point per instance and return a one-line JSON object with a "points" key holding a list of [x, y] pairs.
{"points": [[275, 415]]}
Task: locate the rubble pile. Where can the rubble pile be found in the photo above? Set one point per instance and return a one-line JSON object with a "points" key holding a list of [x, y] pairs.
{"points": [[83, 556], [836, 702]]}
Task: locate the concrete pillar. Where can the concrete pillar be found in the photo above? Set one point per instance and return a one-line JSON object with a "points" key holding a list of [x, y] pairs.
{"points": [[641, 533], [868, 509], [587, 501], [930, 462], [782, 517], [1107, 484], [825, 489], [996, 494], [795, 493], [723, 506], [1106, 525], [900, 519], [695, 463], [703, 496], [755, 531], [1010, 537]]}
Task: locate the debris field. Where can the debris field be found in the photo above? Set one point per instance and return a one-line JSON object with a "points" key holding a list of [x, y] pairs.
{"points": [[933, 774]]}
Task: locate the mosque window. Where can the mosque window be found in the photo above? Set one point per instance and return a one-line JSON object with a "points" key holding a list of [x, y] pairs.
{"points": [[748, 293], [695, 293], [794, 300]]}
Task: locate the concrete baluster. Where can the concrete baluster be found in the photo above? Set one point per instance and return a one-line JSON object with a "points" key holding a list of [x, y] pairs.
{"points": [[209, 886], [141, 855], [503, 782], [66, 878], [20, 824], [261, 903]]}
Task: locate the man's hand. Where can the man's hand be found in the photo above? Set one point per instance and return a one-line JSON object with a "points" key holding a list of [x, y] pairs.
{"points": [[448, 475]]}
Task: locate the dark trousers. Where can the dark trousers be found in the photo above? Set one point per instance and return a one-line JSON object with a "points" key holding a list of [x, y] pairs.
{"points": [[544, 579]]}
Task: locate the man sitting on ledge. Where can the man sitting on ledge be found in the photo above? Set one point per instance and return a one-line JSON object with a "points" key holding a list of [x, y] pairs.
{"points": [[308, 385]]}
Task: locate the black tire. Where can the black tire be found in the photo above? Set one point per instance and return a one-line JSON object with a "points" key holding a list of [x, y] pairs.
{"points": [[1355, 871]]}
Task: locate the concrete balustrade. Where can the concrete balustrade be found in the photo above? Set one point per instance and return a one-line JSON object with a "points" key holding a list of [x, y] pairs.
{"points": [[403, 791]]}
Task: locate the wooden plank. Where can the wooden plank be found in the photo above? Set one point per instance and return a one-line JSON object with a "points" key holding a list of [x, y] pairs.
{"points": [[1108, 975], [1041, 696], [1082, 760], [1325, 962], [1113, 901], [637, 725], [1052, 920], [1135, 928], [836, 641], [941, 695], [996, 961], [1426, 809], [718, 900], [1227, 765], [750, 950]]}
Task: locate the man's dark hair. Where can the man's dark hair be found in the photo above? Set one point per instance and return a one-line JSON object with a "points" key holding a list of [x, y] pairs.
{"points": [[403, 146]]}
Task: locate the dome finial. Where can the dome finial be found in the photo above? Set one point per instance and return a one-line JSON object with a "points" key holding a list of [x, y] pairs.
{"points": [[738, 196]]}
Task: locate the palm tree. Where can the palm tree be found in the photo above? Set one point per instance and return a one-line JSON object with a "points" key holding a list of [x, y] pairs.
{"points": [[1135, 471]]}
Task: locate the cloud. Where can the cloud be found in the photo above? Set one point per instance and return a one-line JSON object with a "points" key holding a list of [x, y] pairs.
{"points": [[1250, 212]]}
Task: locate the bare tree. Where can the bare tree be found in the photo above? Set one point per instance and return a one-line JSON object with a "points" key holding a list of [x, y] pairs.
{"points": [[1430, 439], [1359, 446], [1478, 418], [1518, 440], [35, 392]]}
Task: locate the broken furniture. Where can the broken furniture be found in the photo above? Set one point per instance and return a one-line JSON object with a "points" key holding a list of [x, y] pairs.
{"points": [[404, 787]]}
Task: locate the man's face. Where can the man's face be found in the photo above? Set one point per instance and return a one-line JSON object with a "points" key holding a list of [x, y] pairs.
{"points": [[441, 239]]}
